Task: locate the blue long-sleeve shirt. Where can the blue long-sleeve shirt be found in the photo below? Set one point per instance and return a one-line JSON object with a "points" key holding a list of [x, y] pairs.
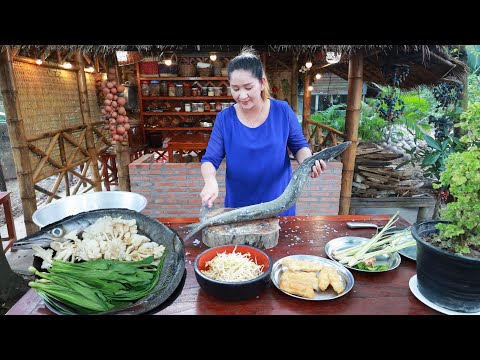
{"points": [[258, 165]]}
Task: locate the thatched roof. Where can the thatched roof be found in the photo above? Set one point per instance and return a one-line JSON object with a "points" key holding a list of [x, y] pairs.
{"points": [[428, 64]]}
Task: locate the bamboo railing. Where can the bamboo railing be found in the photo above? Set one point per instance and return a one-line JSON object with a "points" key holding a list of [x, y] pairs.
{"points": [[317, 139]]}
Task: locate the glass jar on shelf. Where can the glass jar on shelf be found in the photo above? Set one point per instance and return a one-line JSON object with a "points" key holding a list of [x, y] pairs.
{"points": [[163, 88], [187, 89], [195, 91], [179, 90], [145, 88], [171, 89], [155, 88]]}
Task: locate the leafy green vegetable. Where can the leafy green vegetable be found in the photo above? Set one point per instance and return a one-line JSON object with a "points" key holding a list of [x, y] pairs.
{"points": [[362, 266], [96, 286]]}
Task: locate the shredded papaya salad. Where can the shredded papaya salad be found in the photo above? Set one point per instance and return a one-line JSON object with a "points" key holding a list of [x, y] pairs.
{"points": [[232, 267]]}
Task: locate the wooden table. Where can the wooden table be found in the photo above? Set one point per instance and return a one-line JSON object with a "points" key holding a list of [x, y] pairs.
{"points": [[375, 294], [188, 142]]}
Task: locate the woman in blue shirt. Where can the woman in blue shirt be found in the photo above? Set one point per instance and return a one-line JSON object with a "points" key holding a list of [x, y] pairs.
{"points": [[253, 135]]}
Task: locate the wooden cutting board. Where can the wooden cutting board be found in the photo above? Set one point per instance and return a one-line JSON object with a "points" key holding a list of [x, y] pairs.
{"points": [[263, 233]]}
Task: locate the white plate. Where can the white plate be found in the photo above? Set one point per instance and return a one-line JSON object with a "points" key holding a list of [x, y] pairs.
{"points": [[414, 288], [392, 260], [409, 252], [329, 293]]}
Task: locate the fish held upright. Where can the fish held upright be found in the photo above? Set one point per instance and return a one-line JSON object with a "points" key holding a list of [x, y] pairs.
{"points": [[274, 207]]}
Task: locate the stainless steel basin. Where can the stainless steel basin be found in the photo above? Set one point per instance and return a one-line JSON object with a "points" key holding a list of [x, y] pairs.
{"points": [[75, 204]]}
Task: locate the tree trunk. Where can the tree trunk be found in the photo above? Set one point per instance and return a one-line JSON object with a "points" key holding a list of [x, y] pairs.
{"points": [[12, 285]]}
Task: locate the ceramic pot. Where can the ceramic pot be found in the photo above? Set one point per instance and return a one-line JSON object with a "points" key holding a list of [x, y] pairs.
{"points": [[448, 280]]}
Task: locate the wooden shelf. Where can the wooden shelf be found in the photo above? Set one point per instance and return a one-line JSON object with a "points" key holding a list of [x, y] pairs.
{"points": [[196, 78], [179, 101], [206, 98]]}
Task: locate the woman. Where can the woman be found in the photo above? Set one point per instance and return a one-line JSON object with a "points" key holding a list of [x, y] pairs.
{"points": [[253, 135]]}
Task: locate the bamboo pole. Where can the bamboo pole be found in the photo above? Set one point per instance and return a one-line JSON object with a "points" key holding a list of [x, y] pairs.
{"points": [[122, 151], [307, 98], [352, 119], [294, 92], [16, 132], [87, 120], [46, 192], [49, 134], [63, 158]]}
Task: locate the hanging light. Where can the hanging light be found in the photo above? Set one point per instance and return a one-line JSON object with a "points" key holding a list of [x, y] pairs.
{"points": [[67, 65], [333, 57], [167, 58], [318, 76], [90, 69], [39, 61], [308, 64], [310, 88], [213, 56]]}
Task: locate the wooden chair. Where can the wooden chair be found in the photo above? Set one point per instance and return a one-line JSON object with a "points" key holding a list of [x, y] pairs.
{"points": [[7, 208], [109, 169]]}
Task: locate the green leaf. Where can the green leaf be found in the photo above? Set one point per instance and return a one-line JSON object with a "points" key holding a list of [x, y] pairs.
{"points": [[363, 266], [432, 142], [430, 159]]}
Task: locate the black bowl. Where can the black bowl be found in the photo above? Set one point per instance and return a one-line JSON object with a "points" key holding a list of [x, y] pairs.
{"points": [[234, 291]]}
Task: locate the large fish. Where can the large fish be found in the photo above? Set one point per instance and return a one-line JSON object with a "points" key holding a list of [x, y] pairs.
{"points": [[274, 207], [173, 266]]}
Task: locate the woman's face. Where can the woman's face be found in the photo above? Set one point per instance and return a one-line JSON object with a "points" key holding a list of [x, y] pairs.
{"points": [[246, 89]]}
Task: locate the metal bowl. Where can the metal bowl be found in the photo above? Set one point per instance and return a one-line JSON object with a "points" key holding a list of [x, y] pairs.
{"points": [[75, 204]]}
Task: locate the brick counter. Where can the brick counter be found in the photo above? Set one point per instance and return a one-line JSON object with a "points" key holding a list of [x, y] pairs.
{"points": [[173, 189]]}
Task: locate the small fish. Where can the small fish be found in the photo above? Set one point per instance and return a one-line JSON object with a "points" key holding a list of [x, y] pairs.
{"points": [[173, 266], [271, 208]]}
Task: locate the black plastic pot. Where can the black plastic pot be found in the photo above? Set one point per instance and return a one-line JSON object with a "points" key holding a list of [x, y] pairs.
{"points": [[448, 280]]}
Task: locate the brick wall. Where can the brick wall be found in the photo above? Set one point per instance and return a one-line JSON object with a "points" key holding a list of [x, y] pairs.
{"points": [[173, 189]]}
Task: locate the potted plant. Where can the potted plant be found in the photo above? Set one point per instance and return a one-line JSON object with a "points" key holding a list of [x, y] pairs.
{"points": [[448, 250]]}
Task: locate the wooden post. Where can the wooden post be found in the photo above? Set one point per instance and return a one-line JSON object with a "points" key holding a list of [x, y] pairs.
{"points": [[122, 149], [294, 92], [16, 132], [87, 120], [123, 159], [63, 158], [307, 97], [354, 102]]}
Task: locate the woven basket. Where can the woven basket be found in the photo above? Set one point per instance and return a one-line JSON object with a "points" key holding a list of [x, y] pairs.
{"points": [[168, 70], [187, 70], [205, 72], [148, 68]]}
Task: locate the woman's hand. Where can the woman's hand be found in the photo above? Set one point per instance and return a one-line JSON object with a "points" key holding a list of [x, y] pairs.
{"points": [[318, 168], [209, 193]]}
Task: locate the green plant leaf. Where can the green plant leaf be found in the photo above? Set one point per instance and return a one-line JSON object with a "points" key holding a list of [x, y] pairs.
{"points": [[430, 159], [432, 142]]}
